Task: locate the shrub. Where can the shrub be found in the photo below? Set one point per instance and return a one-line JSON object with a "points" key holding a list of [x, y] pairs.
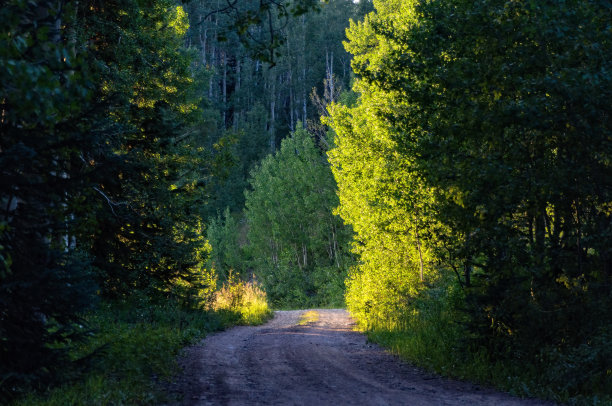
{"points": [[245, 299]]}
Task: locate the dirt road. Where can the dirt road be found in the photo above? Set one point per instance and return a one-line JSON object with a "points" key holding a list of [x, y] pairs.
{"points": [[321, 362]]}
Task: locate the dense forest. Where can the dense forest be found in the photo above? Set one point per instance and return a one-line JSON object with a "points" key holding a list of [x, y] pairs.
{"points": [[441, 168]]}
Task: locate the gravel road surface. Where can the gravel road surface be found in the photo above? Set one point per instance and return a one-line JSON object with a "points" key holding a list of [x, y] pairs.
{"points": [[322, 362]]}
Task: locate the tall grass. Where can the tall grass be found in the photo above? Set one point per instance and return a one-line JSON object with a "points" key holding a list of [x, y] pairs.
{"points": [[245, 299], [134, 346], [430, 334]]}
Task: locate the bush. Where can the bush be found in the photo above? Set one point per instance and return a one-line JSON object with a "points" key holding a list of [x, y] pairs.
{"points": [[246, 300]]}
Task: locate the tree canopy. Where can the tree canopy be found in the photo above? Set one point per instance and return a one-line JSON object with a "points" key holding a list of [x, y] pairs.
{"points": [[298, 245], [457, 188], [483, 130], [100, 170]]}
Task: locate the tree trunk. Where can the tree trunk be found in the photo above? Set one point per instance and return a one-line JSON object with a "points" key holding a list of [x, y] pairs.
{"points": [[237, 105], [291, 107], [203, 37], [329, 73], [224, 87], [272, 112], [467, 274], [418, 244]]}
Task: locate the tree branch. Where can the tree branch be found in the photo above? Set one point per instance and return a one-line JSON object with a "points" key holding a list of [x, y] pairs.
{"points": [[110, 202]]}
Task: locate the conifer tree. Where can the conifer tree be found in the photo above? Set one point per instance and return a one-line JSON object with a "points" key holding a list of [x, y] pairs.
{"points": [[151, 174], [45, 93], [100, 165]]}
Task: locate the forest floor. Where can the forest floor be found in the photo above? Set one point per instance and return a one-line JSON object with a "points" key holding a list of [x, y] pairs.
{"points": [[306, 358]]}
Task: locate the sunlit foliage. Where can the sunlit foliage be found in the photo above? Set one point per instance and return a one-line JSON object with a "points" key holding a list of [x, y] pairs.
{"points": [[246, 300], [488, 122], [386, 203], [298, 245]]}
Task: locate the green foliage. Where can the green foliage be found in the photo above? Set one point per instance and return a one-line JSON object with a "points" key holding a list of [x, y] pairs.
{"points": [[100, 165], [387, 204], [255, 102], [238, 152], [427, 333], [222, 233], [45, 281], [148, 231], [482, 132], [133, 342], [109, 154], [295, 241], [259, 24], [432, 332]]}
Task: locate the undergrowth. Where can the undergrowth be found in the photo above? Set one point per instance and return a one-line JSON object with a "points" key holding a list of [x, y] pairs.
{"points": [[431, 335], [247, 300], [134, 346]]}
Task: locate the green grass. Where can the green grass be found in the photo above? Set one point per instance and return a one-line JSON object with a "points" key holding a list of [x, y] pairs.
{"points": [[137, 346], [430, 336]]}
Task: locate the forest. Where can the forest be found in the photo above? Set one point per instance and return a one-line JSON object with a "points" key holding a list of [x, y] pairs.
{"points": [[440, 168]]}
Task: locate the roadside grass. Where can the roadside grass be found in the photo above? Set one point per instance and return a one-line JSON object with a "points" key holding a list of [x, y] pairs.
{"points": [[431, 336], [134, 347], [246, 299]]}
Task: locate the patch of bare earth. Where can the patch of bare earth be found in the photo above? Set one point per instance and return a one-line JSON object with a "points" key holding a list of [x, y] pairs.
{"points": [[322, 362]]}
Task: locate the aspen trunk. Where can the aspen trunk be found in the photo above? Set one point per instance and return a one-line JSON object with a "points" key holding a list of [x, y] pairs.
{"points": [[272, 113], [418, 244], [237, 105], [224, 87], [202, 36], [292, 124]]}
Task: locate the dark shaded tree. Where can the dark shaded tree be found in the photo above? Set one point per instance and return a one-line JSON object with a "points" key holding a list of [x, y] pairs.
{"points": [[101, 164], [45, 95]]}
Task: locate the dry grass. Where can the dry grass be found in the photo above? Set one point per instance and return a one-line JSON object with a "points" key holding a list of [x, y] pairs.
{"points": [[247, 299]]}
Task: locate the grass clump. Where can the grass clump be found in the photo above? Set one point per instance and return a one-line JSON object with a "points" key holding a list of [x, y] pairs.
{"points": [[245, 299]]}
